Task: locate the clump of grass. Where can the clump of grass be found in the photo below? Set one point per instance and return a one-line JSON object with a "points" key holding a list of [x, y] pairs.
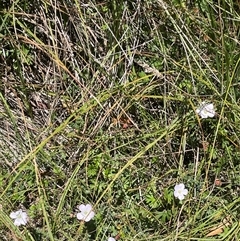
{"points": [[98, 106]]}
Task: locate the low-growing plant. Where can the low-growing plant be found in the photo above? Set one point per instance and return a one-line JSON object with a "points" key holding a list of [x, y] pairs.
{"points": [[119, 120]]}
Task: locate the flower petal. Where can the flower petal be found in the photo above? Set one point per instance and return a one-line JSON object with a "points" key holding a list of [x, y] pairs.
{"points": [[185, 192], [181, 197], [111, 239], [82, 207], [88, 218], [179, 187], [88, 207], [13, 215], [80, 216], [17, 222], [198, 111]]}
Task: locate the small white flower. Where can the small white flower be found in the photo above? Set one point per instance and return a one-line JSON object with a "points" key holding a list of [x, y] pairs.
{"points": [[20, 217], [206, 110], [180, 191], [111, 239], [86, 212]]}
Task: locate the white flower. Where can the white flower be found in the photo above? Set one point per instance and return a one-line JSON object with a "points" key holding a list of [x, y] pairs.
{"points": [[20, 217], [111, 239], [180, 191], [86, 212], [206, 110]]}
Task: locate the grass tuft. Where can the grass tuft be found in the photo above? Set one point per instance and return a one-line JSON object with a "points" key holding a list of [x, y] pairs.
{"points": [[98, 106]]}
